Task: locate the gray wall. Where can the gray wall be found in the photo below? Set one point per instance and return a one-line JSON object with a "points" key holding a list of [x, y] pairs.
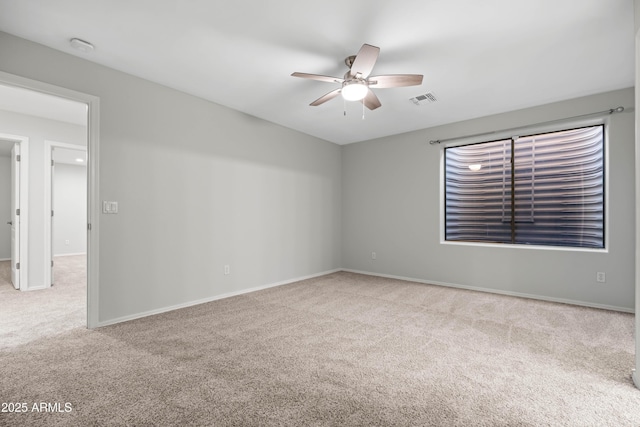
{"points": [[5, 207], [70, 207], [392, 205], [199, 186]]}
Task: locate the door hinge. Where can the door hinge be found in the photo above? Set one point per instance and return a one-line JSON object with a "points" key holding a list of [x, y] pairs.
{"points": [[17, 266], [18, 158], [89, 226], [51, 212], [53, 163], [51, 263], [17, 211]]}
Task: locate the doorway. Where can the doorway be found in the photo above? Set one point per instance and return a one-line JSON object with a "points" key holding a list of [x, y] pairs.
{"points": [[90, 105], [65, 231], [14, 187]]}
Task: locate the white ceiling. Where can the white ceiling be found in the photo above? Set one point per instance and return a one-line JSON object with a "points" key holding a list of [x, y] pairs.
{"points": [[478, 57], [70, 156], [38, 104]]}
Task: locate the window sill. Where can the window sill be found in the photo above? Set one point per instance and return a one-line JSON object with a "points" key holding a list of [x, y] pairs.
{"points": [[526, 247]]}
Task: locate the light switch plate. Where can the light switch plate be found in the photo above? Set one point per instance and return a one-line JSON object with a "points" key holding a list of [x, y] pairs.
{"points": [[109, 207]]}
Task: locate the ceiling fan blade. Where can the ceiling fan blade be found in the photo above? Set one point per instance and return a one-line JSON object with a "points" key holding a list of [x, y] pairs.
{"points": [[371, 101], [319, 77], [326, 97], [365, 60], [395, 80]]}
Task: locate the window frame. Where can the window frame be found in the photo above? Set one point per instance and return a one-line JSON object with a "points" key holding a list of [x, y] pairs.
{"points": [[527, 132]]}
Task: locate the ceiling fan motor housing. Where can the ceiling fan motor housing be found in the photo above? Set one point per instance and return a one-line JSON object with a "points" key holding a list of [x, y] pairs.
{"points": [[349, 60]]}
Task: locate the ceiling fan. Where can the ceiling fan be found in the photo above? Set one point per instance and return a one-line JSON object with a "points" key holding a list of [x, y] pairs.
{"points": [[356, 84]]}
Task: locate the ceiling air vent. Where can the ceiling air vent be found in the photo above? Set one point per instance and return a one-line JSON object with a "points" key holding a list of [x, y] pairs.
{"points": [[427, 98]]}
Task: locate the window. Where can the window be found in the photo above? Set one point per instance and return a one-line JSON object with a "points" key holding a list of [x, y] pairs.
{"points": [[545, 189]]}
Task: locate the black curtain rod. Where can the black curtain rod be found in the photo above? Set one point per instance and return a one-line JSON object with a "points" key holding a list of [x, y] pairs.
{"points": [[599, 113]]}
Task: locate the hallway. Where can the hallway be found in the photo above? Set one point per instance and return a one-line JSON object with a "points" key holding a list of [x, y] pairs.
{"points": [[26, 316]]}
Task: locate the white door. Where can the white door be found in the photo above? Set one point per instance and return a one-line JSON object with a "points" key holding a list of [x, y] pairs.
{"points": [[15, 215]]}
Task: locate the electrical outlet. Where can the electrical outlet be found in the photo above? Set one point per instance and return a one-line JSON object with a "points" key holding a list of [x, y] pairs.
{"points": [[601, 277], [227, 269], [373, 255]]}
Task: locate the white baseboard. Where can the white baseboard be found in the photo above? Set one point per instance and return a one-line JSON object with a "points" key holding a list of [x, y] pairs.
{"points": [[5, 259], [496, 291], [368, 273], [73, 254], [209, 299], [33, 288]]}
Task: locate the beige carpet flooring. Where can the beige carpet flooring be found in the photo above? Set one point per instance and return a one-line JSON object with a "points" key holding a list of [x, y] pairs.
{"points": [[27, 316], [338, 350]]}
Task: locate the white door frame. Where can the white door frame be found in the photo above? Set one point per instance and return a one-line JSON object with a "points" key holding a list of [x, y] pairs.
{"points": [[23, 272], [636, 371], [48, 202], [93, 188]]}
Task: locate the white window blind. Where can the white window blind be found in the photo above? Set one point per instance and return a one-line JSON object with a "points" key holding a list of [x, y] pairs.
{"points": [[553, 194]]}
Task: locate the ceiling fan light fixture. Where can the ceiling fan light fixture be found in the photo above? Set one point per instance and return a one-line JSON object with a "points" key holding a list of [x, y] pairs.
{"points": [[354, 90]]}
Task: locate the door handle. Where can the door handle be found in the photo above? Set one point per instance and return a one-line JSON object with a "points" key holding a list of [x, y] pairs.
{"points": [[10, 222]]}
